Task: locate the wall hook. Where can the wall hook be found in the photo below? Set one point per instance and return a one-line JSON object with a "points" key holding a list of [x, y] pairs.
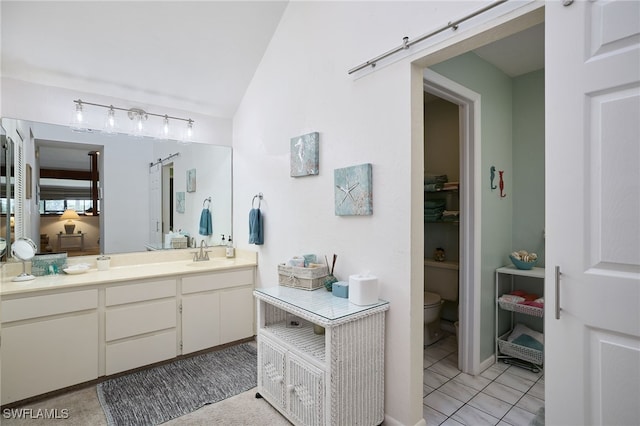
{"points": [[205, 202], [493, 176], [502, 194]]}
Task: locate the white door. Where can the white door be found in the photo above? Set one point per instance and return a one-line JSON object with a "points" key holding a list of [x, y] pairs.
{"points": [[592, 357], [155, 204]]}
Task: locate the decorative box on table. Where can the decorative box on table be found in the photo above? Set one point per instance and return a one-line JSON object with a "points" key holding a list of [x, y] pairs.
{"points": [[309, 278], [48, 264]]}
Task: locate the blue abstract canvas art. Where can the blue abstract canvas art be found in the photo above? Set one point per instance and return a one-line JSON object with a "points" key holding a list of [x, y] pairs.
{"points": [[353, 191], [305, 155]]}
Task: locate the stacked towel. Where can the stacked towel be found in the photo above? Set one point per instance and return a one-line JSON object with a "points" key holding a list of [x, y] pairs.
{"points": [[256, 228], [433, 210], [206, 224], [434, 182], [451, 215], [434, 178]]}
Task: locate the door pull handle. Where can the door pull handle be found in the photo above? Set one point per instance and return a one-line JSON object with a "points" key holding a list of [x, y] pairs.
{"points": [[558, 273]]}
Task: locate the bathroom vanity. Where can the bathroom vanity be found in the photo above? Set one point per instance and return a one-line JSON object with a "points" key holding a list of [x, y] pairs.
{"points": [[62, 330], [320, 357]]}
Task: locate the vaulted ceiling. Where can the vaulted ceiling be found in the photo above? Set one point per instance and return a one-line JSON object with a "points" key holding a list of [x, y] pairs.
{"points": [[196, 56]]}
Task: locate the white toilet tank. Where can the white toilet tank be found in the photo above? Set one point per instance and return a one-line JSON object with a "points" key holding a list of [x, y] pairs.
{"points": [[441, 278]]}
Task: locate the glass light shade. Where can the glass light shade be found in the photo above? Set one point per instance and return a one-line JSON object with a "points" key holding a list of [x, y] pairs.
{"points": [[164, 133], [188, 133], [78, 119], [110, 121], [138, 125]]}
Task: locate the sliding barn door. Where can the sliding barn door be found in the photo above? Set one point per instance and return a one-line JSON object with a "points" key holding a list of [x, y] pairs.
{"points": [[592, 352]]}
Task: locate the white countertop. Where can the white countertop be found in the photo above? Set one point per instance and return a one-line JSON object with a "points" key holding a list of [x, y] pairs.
{"points": [[147, 266]]}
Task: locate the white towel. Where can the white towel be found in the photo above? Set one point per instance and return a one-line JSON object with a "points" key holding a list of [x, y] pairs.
{"points": [[510, 298]]}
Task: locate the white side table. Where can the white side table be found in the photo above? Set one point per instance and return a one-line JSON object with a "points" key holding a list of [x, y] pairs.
{"points": [[71, 241], [335, 378]]}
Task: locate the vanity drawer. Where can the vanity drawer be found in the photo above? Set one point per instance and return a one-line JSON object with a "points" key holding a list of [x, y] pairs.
{"points": [[217, 280], [52, 304], [127, 321], [125, 355], [130, 293]]}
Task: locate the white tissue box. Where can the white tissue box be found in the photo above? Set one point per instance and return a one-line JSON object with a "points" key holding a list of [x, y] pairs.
{"points": [[309, 278], [363, 289]]}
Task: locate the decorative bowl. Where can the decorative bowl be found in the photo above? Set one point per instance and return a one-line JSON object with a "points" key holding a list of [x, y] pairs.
{"points": [[522, 264]]}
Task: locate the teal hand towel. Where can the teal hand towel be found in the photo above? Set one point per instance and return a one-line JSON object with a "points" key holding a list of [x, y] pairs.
{"points": [[256, 228], [206, 225]]}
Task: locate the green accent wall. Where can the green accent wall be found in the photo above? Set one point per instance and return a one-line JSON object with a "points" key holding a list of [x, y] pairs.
{"points": [[528, 163]]}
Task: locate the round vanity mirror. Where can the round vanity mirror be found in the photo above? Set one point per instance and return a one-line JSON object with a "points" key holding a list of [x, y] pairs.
{"points": [[23, 249]]}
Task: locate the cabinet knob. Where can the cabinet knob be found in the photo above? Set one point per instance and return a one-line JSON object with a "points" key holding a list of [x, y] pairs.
{"points": [[290, 388]]}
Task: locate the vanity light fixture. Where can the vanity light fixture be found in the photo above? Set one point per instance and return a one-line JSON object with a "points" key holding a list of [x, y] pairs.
{"points": [[137, 116]]}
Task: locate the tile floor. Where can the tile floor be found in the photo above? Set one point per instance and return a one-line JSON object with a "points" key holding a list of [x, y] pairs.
{"points": [[502, 395]]}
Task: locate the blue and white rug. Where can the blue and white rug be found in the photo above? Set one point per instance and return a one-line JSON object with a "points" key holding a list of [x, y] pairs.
{"points": [[162, 393]]}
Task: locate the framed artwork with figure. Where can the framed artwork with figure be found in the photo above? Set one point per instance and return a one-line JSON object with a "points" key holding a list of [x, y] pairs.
{"points": [[191, 180], [305, 155]]}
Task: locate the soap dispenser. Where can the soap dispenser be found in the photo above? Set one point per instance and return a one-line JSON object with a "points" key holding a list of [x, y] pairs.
{"points": [[231, 252]]}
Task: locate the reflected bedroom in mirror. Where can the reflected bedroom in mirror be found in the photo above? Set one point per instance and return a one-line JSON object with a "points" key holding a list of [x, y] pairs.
{"points": [[91, 192]]}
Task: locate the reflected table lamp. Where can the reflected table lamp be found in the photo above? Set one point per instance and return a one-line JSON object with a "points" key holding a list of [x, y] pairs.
{"points": [[69, 215]]}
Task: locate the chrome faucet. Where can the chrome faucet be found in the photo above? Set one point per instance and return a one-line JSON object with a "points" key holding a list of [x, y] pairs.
{"points": [[203, 254]]}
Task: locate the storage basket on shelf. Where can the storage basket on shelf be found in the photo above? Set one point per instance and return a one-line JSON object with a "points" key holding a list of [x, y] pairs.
{"points": [[309, 278], [519, 351], [523, 309]]}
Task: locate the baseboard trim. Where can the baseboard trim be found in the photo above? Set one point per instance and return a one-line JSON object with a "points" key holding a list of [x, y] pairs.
{"points": [[487, 363], [390, 421]]}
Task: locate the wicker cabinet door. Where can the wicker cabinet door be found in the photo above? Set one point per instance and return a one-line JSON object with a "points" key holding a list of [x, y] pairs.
{"points": [[271, 371], [305, 391]]}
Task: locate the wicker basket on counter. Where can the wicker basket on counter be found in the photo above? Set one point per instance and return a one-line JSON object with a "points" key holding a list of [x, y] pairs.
{"points": [[179, 242], [309, 278]]}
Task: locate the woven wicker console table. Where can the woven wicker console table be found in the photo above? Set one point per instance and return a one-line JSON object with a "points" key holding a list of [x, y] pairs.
{"points": [[335, 378]]}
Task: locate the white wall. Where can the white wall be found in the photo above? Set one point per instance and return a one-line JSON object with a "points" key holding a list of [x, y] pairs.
{"points": [[302, 86]]}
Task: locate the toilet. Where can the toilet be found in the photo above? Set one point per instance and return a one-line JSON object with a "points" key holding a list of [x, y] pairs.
{"points": [[440, 285]]}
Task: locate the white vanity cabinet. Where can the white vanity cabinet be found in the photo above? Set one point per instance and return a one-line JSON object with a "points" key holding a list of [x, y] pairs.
{"points": [[217, 308], [335, 378], [140, 324], [109, 322], [48, 342]]}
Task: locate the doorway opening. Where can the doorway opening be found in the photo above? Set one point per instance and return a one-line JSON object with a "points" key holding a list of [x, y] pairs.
{"points": [[461, 230]]}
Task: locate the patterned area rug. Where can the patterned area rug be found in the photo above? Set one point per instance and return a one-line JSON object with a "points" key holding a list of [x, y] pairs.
{"points": [[162, 393]]}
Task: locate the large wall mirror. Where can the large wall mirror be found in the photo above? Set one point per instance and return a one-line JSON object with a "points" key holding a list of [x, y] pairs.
{"points": [[130, 194]]}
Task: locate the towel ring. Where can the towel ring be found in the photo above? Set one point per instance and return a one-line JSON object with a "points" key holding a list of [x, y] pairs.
{"points": [[205, 201], [259, 197]]}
